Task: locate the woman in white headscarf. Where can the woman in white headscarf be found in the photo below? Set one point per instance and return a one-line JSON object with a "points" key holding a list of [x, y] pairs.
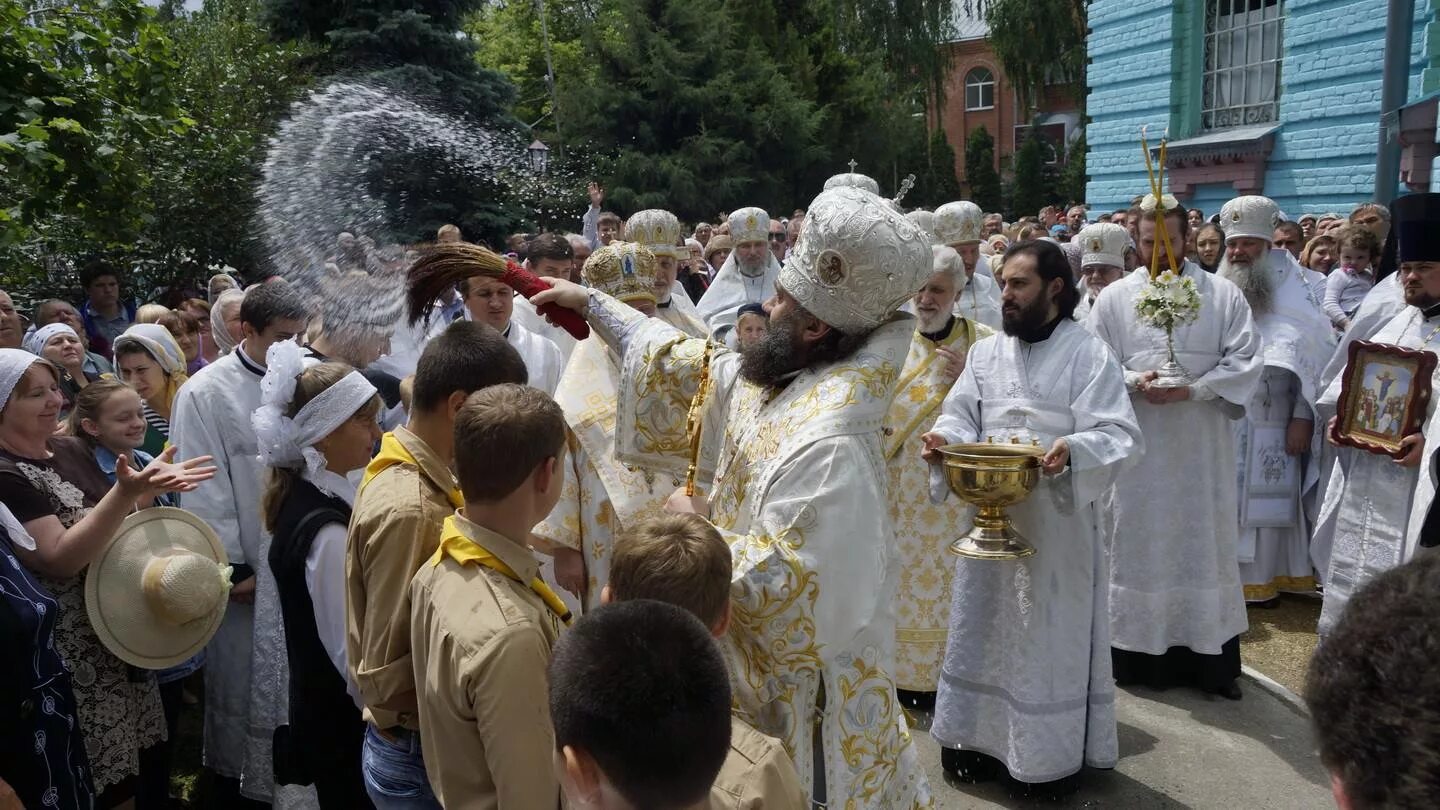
{"points": [[314, 427], [65, 504], [61, 345], [225, 320], [150, 361]]}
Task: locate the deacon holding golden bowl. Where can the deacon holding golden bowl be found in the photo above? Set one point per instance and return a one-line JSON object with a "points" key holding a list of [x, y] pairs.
{"points": [[1026, 685]]}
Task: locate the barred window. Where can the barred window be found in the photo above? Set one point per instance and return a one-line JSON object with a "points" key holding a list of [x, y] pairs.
{"points": [[979, 89], [1242, 62]]}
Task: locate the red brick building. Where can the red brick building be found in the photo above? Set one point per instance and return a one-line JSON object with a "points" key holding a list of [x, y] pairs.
{"points": [[978, 94]]}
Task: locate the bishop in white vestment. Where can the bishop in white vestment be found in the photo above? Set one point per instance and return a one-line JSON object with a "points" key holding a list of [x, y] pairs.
{"points": [[1176, 607], [1274, 452], [246, 670], [799, 488], [923, 530], [659, 231], [1027, 677], [1379, 509], [958, 225], [747, 276]]}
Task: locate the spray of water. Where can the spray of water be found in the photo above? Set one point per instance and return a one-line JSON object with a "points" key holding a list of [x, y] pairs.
{"points": [[330, 235]]}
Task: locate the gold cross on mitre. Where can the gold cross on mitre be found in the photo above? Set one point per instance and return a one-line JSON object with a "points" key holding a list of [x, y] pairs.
{"points": [[852, 164], [1157, 190]]}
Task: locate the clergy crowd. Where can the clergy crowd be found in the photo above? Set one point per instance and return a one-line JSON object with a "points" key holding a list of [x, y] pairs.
{"points": [[671, 529]]}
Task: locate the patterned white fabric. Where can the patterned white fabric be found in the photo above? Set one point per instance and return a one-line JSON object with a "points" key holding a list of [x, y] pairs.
{"points": [[1031, 684], [1174, 587], [286, 441], [36, 341], [13, 365]]}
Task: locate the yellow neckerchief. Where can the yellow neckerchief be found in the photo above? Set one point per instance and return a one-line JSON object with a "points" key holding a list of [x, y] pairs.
{"points": [[455, 545], [392, 452]]}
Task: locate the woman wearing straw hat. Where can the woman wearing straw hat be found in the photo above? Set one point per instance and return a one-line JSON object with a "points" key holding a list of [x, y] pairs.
{"points": [[61, 498], [150, 361], [314, 426], [61, 345]]}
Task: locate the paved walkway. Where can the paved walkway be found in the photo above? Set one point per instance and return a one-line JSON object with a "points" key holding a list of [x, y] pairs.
{"points": [[1181, 749]]}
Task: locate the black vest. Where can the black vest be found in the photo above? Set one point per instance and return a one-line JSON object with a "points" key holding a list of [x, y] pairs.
{"points": [[325, 726]]}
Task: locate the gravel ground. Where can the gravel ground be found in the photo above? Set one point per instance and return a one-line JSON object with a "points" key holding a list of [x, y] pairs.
{"points": [[1281, 640]]}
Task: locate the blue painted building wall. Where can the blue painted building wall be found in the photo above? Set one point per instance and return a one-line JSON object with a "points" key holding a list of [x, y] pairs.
{"points": [[1324, 154]]}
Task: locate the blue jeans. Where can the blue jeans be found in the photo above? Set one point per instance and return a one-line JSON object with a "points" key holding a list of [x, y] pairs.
{"points": [[395, 772]]}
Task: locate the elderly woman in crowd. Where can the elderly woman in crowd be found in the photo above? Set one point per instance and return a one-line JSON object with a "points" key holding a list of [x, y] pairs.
{"points": [[150, 361], [219, 284], [61, 499], [61, 345], [225, 321]]}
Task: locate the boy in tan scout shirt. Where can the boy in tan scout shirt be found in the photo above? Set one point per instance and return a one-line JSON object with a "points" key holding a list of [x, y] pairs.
{"points": [[482, 622], [682, 560]]}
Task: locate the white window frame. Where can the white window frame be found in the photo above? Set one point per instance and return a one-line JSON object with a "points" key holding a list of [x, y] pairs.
{"points": [[1243, 49], [981, 88]]}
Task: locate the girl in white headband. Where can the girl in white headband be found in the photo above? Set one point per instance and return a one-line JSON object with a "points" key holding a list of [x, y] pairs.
{"points": [[315, 426]]}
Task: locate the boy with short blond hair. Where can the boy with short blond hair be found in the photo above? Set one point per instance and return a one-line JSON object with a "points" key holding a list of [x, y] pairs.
{"points": [[681, 559], [482, 623]]}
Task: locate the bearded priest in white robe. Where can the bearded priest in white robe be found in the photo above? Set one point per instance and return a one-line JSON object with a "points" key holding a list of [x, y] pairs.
{"points": [[246, 669], [799, 488], [1102, 262], [600, 495], [1176, 606], [1278, 470], [660, 232], [958, 225], [747, 276], [1026, 685], [923, 530], [1381, 510]]}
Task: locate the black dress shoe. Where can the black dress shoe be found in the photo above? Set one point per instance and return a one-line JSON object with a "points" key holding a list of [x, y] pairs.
{"points": [[921, 701], [970, 767], [1053, 791], [1230, 691]]}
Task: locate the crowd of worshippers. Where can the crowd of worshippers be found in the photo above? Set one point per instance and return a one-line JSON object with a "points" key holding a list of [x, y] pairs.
{"points": [[453, 570]]}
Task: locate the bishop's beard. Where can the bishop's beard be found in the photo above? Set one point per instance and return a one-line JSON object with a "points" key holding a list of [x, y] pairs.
{"points": [[775, 359], [1254, 279], [755, 269]]}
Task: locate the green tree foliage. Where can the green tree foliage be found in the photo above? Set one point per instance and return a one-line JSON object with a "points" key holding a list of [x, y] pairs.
{"points": [[236, 83], [935, 182], [1072, 176], [87, 85], [1038, 42], [980, 174], [701, 118], [1030, 192]]}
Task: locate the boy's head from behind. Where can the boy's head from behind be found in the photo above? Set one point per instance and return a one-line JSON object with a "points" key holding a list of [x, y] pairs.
{"points": [[640, 700], [678, 559], [465, 358], [510, 444]]}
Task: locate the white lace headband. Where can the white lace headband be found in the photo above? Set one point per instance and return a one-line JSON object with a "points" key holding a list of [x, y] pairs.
{"points": [[13, 365], [286, 441]]}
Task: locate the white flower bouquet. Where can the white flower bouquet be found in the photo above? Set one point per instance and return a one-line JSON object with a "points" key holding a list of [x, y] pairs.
{"points": [[1168, 302]]}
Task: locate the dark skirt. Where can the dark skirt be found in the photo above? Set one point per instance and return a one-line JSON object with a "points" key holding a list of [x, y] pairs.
{"points": [[1179, 666]]}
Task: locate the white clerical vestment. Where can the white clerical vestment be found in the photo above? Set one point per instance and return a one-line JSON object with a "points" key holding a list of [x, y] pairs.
{"points": [[923, 530], [979, 302], [246, 668], [1027, 675], [680, 312], [526, 315], [543, 361], [1296, 341], [800, 496], [600, 496], [1171, 518], [1374, 508], [733, 289]]}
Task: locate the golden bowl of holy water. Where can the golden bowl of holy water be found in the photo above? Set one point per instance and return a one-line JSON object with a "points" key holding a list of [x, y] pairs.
{"points": [[991, 476]]}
